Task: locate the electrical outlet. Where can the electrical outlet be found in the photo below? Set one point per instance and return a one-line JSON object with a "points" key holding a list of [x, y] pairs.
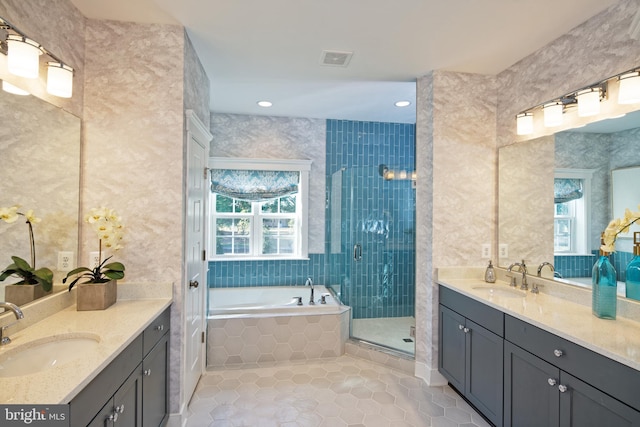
{"points": [[503, 250], [486, 250], [65, 260], [94, 259]]}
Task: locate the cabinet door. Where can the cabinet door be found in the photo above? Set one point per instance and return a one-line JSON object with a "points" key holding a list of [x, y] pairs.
{"points": [[154, 382], [582, 405], [484, 369], [127, 401], [451, 356], [531, 396]]}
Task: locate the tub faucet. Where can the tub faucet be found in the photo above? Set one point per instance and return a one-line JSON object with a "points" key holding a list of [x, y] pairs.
{"points": [[309, 282], [16, 312]]}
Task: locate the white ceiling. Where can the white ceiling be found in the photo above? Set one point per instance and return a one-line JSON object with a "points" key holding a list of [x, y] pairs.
{"points": [[270, 49]]}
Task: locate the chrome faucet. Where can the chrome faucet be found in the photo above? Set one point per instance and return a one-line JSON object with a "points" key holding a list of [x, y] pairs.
{"points": [[541, 266], [309, 282], [523, 268], [16, 312]]}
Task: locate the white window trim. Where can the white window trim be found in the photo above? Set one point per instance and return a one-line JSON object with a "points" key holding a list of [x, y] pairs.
{"points": [[585, 175], [302, 166]]}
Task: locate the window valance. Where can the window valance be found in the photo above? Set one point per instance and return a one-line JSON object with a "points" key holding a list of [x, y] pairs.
{"points": [[567, 189], [254, 185]]}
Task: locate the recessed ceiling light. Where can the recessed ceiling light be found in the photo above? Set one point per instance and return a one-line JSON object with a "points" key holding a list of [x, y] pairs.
{"points": [[402, 103], [265, 104]]}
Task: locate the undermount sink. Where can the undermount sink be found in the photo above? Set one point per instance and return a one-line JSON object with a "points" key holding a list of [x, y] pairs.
{"points": [[503, 292], [46, 353]]}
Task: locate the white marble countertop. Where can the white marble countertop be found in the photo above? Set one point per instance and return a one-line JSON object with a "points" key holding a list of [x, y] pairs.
{"points": [[562, 312], [116, 326]]}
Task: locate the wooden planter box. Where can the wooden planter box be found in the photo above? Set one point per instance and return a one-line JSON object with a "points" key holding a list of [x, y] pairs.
{"points": [[96, 296], [22, 294]]}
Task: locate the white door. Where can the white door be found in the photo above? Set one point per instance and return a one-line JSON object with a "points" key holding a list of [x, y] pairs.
{"points": [[196, 265]]}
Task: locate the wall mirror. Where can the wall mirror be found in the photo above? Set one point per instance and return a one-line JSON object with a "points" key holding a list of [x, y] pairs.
{"points": [[40, 145], [535, 223]]}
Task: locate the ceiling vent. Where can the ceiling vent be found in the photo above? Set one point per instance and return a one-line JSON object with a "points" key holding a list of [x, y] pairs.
{"points": [[335, 58]]}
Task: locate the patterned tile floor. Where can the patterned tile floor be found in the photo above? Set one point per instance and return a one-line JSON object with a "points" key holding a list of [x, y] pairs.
{"points": [[337, 392]]}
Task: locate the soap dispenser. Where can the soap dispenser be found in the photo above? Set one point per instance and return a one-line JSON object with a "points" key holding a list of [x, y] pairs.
{"points": [[490, 274], [632, 279], [604, 297]]}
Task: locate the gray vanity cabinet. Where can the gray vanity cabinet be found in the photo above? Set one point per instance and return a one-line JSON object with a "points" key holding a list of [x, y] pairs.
{"points": [[155, 379], [132, 390], [541, 385], [471, 351]]}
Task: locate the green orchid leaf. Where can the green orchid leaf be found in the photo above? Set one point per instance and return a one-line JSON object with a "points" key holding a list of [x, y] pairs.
{"points": [[114, 275], [116, 266], [21, 264]]}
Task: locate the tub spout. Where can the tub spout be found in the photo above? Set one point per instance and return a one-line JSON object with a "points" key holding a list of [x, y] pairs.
{"points": [[309, 282]]}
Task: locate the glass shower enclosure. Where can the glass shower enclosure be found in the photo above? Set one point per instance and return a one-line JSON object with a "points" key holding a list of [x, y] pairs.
{"points": [[372, 253]]}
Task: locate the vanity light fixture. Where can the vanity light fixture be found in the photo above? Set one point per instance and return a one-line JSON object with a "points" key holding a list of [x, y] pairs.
{"points": [[9, 88], [59, 79], [265, 104], [553, 113], [524, 123], [629, 90], [401, 104], [589, 101], [23, 56]]}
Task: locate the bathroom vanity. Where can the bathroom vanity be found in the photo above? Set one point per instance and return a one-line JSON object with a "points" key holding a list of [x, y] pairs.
{"points": [[531, 360], [133, 389], [119, 377]]}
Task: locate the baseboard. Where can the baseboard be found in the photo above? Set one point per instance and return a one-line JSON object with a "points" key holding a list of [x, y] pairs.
{"points": [[177, 420], [431, 376]]}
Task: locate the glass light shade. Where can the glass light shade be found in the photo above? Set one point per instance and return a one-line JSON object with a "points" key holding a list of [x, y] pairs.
{"points": [[23, 57], [59, 80], [524, 124], [588, 102], [9, 88], [553, 114], [629, 90]]}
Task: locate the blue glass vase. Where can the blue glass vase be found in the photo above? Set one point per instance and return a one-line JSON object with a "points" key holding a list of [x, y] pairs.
{"points": [[605, 288], [632, 280]]}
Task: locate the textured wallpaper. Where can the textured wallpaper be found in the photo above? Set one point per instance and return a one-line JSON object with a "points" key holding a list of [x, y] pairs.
{"points": [[263, 137], [456, 200]]}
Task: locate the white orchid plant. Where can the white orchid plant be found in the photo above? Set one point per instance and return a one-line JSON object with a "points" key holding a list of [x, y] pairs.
{"points": [[21, 268], [618, 226], [110, 231]]}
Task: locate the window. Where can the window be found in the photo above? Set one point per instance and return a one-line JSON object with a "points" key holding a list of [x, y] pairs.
{"points": [[258, 209], [571, 223]]}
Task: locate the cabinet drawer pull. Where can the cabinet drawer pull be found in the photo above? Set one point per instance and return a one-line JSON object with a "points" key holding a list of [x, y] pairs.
{"points": [[551, 381], [160, 328], [466, 330], [460, 327], [114, 417], [120, 408], [562, 388], [558, 353], [147, 372]]}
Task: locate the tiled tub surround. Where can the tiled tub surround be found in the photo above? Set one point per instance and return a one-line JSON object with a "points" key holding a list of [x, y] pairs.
{"points": [[563, 310], [262, 333], [116, 326]]}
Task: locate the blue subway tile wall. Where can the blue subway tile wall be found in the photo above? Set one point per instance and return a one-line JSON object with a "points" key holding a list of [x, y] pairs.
{"points": [[581, 265], [235, 274], [376, 214]]}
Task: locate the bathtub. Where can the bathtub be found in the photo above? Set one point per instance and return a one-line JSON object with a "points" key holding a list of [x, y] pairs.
{"points": [[270, 300], [251, 325]]}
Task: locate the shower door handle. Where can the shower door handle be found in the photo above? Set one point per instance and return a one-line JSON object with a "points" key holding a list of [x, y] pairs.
{"points": [[357, 252]]}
